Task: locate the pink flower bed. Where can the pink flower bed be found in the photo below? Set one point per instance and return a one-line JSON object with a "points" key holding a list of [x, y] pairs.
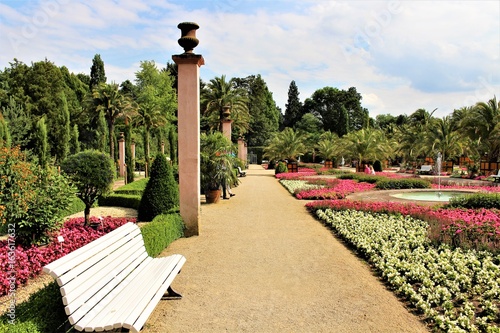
{"points": [[294, 175], [495, 189], [29, 261], [339, 190]]}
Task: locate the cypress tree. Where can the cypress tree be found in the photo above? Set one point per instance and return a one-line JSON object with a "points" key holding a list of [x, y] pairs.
{"points": [[4, 133], [42, 143], [61, 132], [97, 73], [75, 143], [293, 107], [161, 193], [129, 159]]}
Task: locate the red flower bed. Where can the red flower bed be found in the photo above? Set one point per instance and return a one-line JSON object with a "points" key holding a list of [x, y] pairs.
{"points": [[24, 263]]}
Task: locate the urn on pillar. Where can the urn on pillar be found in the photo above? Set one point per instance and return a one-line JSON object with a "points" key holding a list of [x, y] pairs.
{"points": [[188, 39]]}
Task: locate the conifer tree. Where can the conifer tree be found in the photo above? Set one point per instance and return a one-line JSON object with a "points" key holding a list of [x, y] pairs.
{"points": [[162, 191], [293, 108], [42, 143], [97, 73]]}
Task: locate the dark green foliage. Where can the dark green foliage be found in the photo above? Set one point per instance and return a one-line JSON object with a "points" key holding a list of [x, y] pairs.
{"points": [[163, 230], [121, 200], [161, 193], [92, 172], [293, 107], [42, 143], [4, 133], [476, 201], [75, 143], [404, 183], [97, 72], [129, 159], [361, 177], [43, 312], [377, 166], [280, 168]]}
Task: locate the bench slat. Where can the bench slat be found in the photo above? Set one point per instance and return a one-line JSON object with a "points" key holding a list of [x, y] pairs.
{"points": [[139, 323], [90, 270], [168, 267], [88, 319], [143, 286], [60, 266], [96, 278], [94, 259]]}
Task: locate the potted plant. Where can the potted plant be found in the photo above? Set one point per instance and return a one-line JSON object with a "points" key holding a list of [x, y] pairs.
{"points": [[216, 164]]}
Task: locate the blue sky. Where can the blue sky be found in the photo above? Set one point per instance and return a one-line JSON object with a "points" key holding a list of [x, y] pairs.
{"points": [[400, 55]]}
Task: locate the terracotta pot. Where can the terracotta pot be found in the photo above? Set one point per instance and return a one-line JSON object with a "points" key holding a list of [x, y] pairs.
{"points": [[212, 196]]}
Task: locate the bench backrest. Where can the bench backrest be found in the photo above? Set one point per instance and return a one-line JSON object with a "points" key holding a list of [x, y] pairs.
{"points": [[426, 168], [90, 272]]}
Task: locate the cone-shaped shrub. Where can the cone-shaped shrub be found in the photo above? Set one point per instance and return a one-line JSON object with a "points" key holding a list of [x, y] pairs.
{"points": [[161, 193]]}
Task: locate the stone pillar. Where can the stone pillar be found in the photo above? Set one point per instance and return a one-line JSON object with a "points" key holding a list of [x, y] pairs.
{"points": [[121, 155], [189, 127], [241, 150], [163, 148], [245, 153], [226, 128]]}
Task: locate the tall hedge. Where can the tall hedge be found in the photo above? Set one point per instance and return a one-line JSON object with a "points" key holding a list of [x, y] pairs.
{"points": [[162, 191]]}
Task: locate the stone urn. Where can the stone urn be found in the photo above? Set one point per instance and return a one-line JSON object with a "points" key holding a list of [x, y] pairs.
{"points": [[188, 40]]}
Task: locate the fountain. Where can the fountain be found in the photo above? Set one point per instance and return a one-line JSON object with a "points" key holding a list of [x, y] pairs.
{"points": [[438, 167]]}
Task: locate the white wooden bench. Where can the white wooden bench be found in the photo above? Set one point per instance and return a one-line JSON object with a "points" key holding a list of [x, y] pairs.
{"points": [[425, 169], [112, 282]]}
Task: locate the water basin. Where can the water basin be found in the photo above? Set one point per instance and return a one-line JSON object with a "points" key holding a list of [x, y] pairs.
{"points": [[439, 196]]}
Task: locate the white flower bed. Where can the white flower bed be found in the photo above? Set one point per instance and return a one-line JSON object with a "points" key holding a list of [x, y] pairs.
{"points": [[297, 185], [457, 290]]}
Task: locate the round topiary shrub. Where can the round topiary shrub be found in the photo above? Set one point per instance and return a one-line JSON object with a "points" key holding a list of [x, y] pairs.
{"points": [[92, 172], [377, 166], [162, 191]]}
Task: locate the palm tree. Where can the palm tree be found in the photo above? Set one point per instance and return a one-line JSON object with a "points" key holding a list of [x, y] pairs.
{"points": [[483, 124], [287, 144], [367, 144], [444, 137], [108, 99], [329, 146], [219, 94]]}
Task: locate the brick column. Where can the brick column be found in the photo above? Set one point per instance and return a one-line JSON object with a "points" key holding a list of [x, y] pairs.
{"points": [[121, 155]]}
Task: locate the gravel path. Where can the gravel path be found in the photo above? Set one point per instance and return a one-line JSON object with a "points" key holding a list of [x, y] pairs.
{"points": [[262, 264]]}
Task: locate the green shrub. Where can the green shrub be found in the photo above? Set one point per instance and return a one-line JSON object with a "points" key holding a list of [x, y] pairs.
{"points": [[43, 312], [92, 172], [161, 193], [405, 183], [120, 200], [362, 177], [475, 201], [137, 187], [32, 199], [162, 231], [280, 168]]}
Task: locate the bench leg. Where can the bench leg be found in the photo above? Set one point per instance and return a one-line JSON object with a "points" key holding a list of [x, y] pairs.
{"points": [[171, 294]]}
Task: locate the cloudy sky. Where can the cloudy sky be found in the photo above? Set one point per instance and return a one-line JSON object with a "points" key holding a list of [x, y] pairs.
{"points": [[400, 55]]}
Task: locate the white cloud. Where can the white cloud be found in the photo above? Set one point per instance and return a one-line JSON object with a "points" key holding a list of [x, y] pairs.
{"points": [[400, 55]]}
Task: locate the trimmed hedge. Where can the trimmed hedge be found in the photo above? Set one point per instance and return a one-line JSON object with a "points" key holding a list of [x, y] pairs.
{"points": [[120, 200], [135, 188], [361, 177], [475, 201], [405, 183], [163, 230], [75, 206]]}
